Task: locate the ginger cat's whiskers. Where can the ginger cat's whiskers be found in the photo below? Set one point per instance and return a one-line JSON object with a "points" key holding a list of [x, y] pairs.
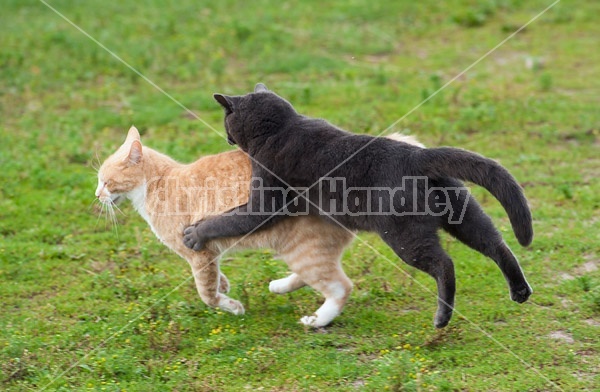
{"points": [[95, 163], [113, 217], [115, 206], [92, 204], [100, 213]]}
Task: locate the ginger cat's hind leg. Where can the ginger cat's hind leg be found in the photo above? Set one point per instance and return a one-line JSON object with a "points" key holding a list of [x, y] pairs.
{"points": [[211, 283], [336, 292], [286, 285], [320, 268]]}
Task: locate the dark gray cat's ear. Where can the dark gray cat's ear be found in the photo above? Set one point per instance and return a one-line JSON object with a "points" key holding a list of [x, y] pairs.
{"points": [[225, 101], [261, 88]]}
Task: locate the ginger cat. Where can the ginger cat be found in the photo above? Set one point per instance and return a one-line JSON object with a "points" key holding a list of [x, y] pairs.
{"points": [[171, 196]]}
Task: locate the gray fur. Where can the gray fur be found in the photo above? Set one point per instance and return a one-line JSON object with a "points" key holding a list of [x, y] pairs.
{"points": [[300, 150]]}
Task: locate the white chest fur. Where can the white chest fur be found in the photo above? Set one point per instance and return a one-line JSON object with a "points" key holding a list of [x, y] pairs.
{"points": [[138, 199]]}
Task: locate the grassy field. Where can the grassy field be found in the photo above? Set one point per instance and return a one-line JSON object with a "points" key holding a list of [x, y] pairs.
{"points": [[86, 306]]}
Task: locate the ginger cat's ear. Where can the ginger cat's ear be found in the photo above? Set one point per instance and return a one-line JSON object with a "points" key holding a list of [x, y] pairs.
{"points": [[133, 134], [135, 153]]}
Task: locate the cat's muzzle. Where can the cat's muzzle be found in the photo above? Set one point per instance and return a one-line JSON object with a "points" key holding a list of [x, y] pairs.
{"points": [[112, 199]]}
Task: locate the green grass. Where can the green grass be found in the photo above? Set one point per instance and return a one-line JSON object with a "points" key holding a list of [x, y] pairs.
{"points": [[75, 292]]}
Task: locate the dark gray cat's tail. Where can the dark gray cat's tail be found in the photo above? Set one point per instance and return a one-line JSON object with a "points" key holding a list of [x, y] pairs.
{"points": [[468, 166]]}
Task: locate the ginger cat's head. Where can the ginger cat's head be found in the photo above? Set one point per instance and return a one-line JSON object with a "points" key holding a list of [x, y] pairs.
{"points": [[122, 172]]}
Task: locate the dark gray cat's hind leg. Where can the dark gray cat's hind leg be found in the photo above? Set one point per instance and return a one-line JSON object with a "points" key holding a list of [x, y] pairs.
{"points": [[421, 249], [477, 231]]}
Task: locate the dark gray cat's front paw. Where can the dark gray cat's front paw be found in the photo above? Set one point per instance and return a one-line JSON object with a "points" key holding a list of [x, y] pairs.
{"points": [[192, 239], [521, 294]]}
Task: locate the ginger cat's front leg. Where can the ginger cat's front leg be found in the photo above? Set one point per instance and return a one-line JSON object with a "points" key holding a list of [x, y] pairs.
{"points": [[211, 283], [224, 285]]}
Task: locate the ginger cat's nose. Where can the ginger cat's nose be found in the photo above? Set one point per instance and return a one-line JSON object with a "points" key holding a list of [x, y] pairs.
{"points": [[100, 189]]}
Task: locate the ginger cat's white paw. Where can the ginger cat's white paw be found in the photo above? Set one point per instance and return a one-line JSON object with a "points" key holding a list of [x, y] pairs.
{"points": [[324, 315], [279, 286], [232, 306], [286, 285], [312, 321]]}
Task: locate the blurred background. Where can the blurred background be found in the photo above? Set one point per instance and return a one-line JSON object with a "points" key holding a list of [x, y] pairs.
{"points": [[89, 306]]}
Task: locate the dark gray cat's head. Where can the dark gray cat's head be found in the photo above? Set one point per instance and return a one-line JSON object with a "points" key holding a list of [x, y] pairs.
{"points": [[251, 118]]}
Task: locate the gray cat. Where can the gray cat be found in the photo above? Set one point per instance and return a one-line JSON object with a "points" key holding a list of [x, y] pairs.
{"points": [[400, 191]]}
